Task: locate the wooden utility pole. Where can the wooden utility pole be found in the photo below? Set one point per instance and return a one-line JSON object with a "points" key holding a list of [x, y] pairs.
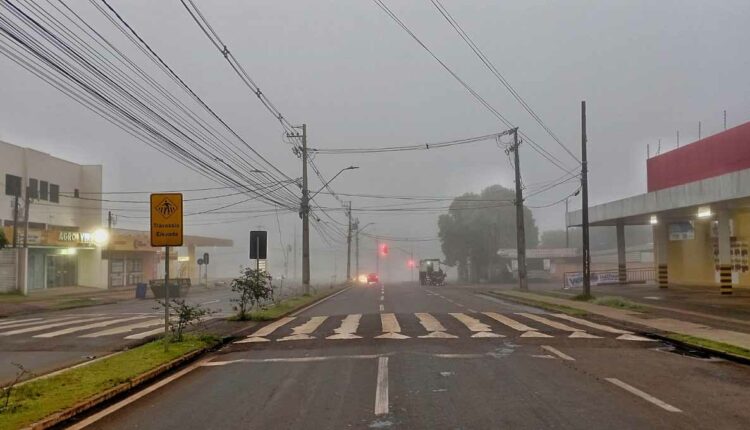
{"points": [[585, 206], [520, 230]]}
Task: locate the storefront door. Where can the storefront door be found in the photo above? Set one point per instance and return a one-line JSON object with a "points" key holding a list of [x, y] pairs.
{"points": [[62, 271]]}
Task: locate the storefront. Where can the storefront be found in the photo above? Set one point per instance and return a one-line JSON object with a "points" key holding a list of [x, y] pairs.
{"points": [[698, 203]]}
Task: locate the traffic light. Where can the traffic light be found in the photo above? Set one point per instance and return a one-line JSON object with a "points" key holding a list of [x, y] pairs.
{"points": [[410, 263], [383, 249]]}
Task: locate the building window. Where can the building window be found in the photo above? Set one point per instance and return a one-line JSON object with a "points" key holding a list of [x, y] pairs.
{"points": [[12, 185], [33, 188], [43, 190], [54, 193], [76, 193]]}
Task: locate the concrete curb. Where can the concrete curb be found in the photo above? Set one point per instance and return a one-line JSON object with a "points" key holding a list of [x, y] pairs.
{"points": [[151, 375], [642, 330]]}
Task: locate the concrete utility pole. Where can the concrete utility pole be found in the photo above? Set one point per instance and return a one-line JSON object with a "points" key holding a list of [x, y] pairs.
{"points": [[520, 231], [349, 246], [356, 247], [109, 250], [567, 229], [305, 216], [15, 221], [585, 206], [26, 203]]}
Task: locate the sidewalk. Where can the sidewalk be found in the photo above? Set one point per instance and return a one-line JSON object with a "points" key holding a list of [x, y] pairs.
{"points": [[699, 313]]}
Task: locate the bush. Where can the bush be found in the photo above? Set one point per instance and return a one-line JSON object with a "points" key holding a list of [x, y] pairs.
{"points": [[183, 315], [254, 288]]}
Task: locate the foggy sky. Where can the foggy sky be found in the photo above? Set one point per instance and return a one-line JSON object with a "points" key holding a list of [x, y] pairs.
{"points": [[645, 68]]}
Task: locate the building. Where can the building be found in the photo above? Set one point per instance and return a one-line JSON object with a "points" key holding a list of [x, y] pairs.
{"points": [[698, 203], [51, 213]]}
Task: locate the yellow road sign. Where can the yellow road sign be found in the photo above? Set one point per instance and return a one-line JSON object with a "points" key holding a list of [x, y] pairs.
{"points": [[166, 219]]}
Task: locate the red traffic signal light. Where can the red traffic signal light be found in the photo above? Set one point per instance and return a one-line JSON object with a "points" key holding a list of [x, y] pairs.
{"points": [[383, 249], [410, 263]]}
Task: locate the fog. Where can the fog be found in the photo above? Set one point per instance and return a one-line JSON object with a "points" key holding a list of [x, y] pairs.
{"points": [[646, 70]]}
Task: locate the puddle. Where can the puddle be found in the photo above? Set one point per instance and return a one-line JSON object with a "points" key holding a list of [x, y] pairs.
{"points": [[652, 298], [687, 352], [501, 352], [380, 424], [446, 374]]}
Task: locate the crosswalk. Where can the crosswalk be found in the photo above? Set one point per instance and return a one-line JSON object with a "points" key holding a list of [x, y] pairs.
{"points": [[84, 326], [422, 325]]}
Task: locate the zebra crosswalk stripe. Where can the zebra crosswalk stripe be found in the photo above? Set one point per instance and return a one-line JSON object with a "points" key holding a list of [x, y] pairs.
{"points": [[391, 327], [575, 332], [601, 327], [260, 334], [145, 334], [348, 328], [433, 326], [37, 321], [4, 324], [125, 329], [75, 329], [49, 326], [479, 328], [303, 332], [515, 325]]}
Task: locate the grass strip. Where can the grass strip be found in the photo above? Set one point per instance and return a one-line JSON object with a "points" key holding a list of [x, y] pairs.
{"points": [[40, 398], [541, 304], [284, 307], [710, 344], [618, 302]]}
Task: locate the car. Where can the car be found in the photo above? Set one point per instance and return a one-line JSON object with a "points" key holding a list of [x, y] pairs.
{"points": [[373, 278]]}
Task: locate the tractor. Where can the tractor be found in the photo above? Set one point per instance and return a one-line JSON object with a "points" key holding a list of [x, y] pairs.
{"points": [[431, 272]]}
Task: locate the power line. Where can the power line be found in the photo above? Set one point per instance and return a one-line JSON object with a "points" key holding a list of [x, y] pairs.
{"points": [[420, 147], [486, 61], [536, 147]]}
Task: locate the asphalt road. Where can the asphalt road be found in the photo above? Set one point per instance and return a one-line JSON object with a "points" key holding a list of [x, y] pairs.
{"points": [[408, 357]]}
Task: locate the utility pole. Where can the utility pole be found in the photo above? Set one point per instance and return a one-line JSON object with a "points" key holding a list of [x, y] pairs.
{"points": [[585, 205], [295, 255], [305, 213], [109, 250], [356, 248], [349, 246], [15, 221], [725, 119], [699, 130], [567, 229], [520, 231], [26, 202]]}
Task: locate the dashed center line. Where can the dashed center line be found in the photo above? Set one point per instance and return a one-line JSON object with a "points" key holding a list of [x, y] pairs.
{"points": [[645, 396]]}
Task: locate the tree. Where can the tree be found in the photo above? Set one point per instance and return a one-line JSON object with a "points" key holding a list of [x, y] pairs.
{"points": [[254, 288], [476, 226]]}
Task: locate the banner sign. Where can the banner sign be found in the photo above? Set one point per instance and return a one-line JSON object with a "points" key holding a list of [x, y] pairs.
{"points": [[575, 279]]}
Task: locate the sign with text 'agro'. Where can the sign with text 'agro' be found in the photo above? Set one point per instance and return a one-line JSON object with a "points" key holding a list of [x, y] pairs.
{"points": [[166, 219]]}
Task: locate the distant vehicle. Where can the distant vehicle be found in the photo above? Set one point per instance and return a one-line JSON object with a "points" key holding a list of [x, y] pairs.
{"points": [[431, 272], [373, 278]]}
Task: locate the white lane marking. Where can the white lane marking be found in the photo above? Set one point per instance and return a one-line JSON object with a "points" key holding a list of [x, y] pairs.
{"points": [[49, 326], [143, 393], [575, 332], [645, 396], [210, 301], [459, 304], [479, 328], [381, 388], [542, 356], [43, 321], [260, 335], [433, 326], [290, 359], [86, 327], [558, 353], [601, 327], [125, 329], [348, 328], [297, 312], [391, 328], [474, 311], [460, 355], [381, 298], [303, 331], [382, 308], [146, 334]]}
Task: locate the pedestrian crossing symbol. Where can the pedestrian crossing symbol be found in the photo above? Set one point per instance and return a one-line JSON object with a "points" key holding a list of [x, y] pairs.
{"points": [[166, 219]]}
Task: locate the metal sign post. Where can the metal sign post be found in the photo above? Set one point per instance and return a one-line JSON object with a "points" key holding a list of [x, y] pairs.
{"points": [[166, 231]]}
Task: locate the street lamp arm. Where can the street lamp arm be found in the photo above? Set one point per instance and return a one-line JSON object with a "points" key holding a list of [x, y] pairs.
{"points": [[331, 180]]}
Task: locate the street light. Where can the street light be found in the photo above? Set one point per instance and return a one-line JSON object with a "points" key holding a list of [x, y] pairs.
{"points": [[331, 180]]}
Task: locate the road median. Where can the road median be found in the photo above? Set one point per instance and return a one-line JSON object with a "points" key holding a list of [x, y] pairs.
{"points": [[730, 344]]}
